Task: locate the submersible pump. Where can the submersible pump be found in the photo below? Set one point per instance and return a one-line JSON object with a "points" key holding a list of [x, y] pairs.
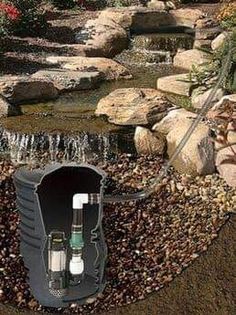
{"points": [[62, 240]]}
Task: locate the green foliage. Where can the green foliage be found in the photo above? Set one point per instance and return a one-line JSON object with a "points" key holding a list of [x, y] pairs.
{"points": [[64, 4], [32, 21], [207, 76], [229, 22]]}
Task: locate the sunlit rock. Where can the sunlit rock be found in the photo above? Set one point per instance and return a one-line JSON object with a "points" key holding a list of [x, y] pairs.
{"points": [[174, 116], [177, 84], [67, 80], [111, 69], [22, 89], [189, 58], [148, 142], [197, 156], [133, 106]]}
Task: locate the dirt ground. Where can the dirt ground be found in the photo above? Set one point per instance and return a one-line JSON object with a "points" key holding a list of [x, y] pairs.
{"points": [[207, 287]]}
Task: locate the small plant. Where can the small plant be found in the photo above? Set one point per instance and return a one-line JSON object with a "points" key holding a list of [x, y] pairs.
{"points": [[207, 75], [227, 16], [64, 4]]}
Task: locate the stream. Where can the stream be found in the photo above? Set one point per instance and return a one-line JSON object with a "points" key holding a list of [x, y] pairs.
{"points": [[66, 129]]}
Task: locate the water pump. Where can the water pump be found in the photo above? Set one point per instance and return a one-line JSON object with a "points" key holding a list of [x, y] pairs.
{"points": [[61, 232]]}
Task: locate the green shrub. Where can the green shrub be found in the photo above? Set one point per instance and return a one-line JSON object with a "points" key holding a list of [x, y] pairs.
{"points": [[32, 21], [64, 4], [206, 77]]}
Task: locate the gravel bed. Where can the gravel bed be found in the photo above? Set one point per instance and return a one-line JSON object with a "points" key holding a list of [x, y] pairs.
{"points": [[149, 242]]}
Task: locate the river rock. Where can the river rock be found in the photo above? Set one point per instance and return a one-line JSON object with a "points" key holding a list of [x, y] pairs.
{"points": [[133, 106], [219, 41], [110, 69], [149, 143], [7, 109], [186, 17], [189, 58], [23, 89], [226, 166], [67, 80], [176, 84], [106, 35], [200, 96], [197, 157], [174, 116]]}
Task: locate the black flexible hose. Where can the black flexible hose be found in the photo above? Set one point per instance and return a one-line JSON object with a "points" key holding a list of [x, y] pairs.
{"points": [[147, 191]]}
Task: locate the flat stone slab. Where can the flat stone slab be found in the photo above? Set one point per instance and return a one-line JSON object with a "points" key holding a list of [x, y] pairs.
{"points": [[133, 106], [175, 84], [110, 69], [190, 58], [23, 89], [186, 17], [67, 80]]}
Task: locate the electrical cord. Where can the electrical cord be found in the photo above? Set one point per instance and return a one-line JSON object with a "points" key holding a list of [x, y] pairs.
{"points": [[149, 190]]}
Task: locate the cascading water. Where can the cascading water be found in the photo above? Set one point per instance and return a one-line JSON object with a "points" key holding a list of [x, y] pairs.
{"points": [[28, 148], [155, 48]]}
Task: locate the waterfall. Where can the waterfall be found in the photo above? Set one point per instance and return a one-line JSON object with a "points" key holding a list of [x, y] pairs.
{"points": [[83, 147], [155, 48]]}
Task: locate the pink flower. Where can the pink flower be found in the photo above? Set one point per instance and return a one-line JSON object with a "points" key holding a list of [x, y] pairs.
{"points": [[11, 12]]}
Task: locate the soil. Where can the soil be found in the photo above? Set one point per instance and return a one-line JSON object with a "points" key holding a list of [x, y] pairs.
{"points": [[207, 287]]}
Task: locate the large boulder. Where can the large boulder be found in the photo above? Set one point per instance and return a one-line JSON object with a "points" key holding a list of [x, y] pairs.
{"points": [[197, 156], [200, 96], [226, 166], [139, 19], [67, 80], [175, 84], [106, 35], [110, 69], [133, 106], [186, 17], [189, 58], [7, 109], [149, 143], [23, 89], [174, 117]]}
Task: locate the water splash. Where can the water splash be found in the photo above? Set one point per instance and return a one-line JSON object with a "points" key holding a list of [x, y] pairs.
{"points": [[152, 49], [28, 148]]}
